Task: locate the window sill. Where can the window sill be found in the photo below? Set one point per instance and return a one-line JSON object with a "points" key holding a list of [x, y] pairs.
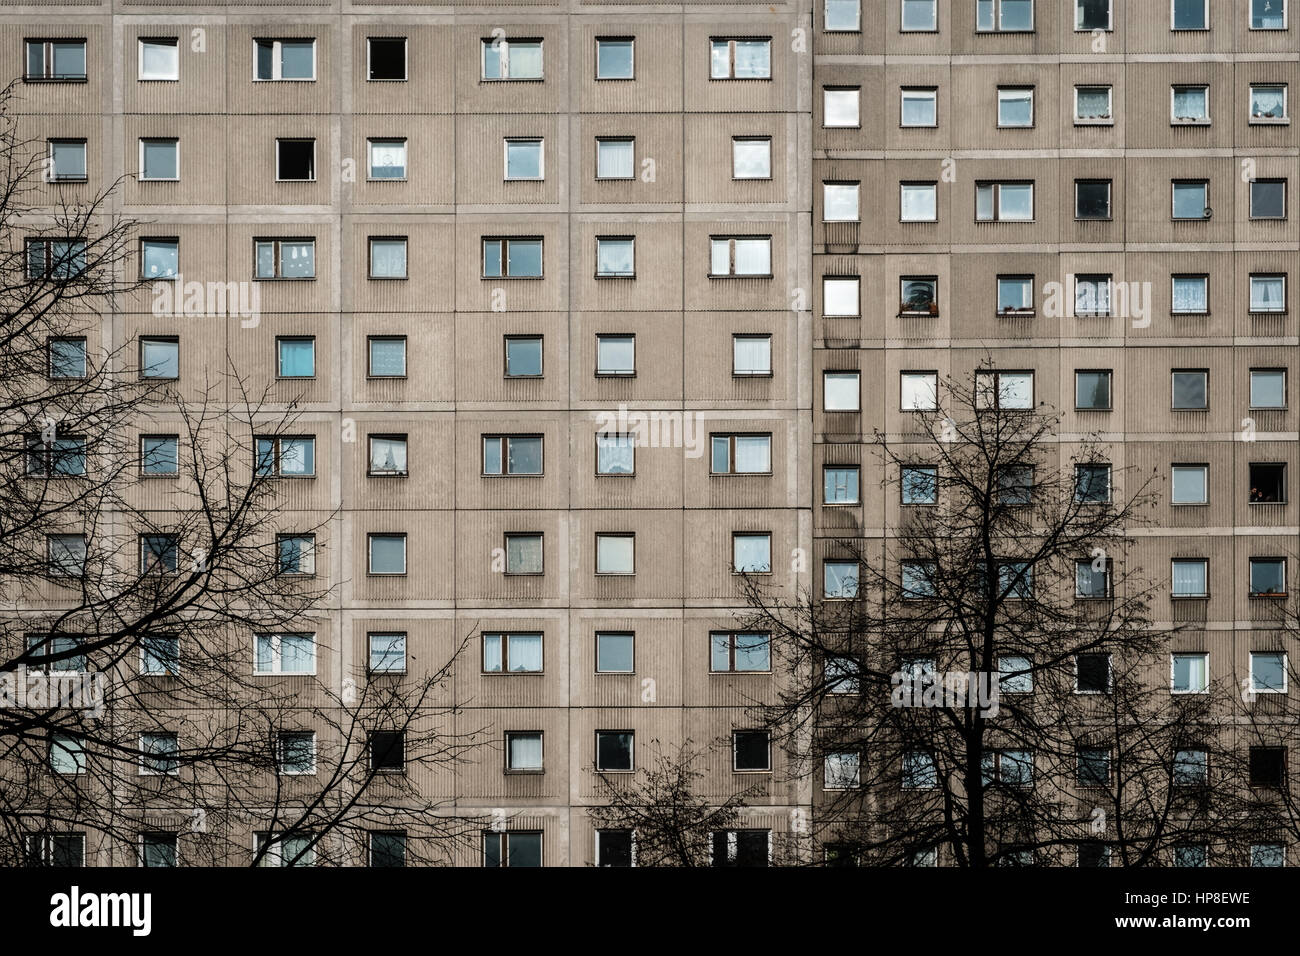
{"points": [[522, 773], [612, 275], [735, 374], [1189, 597], [55, 79], [272, 278], [1091, 122], [510, 278], [1283, 121], [1016, 315], [1268, 597], [756, 275]]}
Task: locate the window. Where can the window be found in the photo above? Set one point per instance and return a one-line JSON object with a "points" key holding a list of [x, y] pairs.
{"points": [[751, 751], [1190, 768], [159, 258], [1190, 673], [751, 157], [615, 848], [740, 256], [388, 257], [512, 653], [159, 160], [740, 652], [67, 358], [840, 484], [1189, 484], [1092, 105], [1015, 295], [1012, 202], [1268, 388], [1012, 768], [741, 454], [1006, 16], [1091, 15], [1268, 577], [615, 257], [385, 58], [281, 849], [1191, 199], [1093, 767], [1189, 104], [920, 106], [615, 158], [1268, 14], [61, 458], [523, 356], [524, 159], [387, 158], [840, 579], [840, 107], [751, 553], [386, 652], [61, 60], [615, 58], [1268, 103], [387, 455], [1005, 390], [387, 751], [1093, 853], [918, 295], [1191, 576], [1191, 389], [284, 258], [1267, 482], [920, 484], [918, 579], [842, 675], [159, 59], [1092, 673], [917, 202], [615, 453], [841, 771], [840, 297], [159, 358], [295, 357], [843, 16], [295, 160], [386, 356], [1267, 766], [1092, 199], [286, 457], [840, 392], [160, 655], [1016, 675], [159, 455], [512, 258], [919, 770], [56, 849], [387, 553], [1092, 390], [284, 654], [615, 652], [1015, 106], [512, 454], [919, 391], [292, 59], [55, 653], [614, 750], [751, 355], [1190, 295], [387, 849], [67, 160], [1268, 673], [158, 849], [159, 754], [615, 355], [1268, 854], [67, 755], [1268, 293], [615, 554], [920, 15], [1091, 581], [524, 751], [523, 553], [1092, 295], [512, 849], [1015, 484], [159, 553], [1268, 199], [55, 258], [733, 848], [1189, 14], [512, 59], [740, 59], [1092, 483], [66, 554]]}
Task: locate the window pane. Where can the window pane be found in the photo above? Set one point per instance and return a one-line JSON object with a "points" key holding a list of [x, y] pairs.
{"points": [[614, 59], [752, 652], [387, 159], [388, 258], [1267, 293], [615, 454], [297, 59], [524, 653], [1092, 102], [387, 356], [1189, 484], [1191, 294], [753, 59], [1190, 389], [752, 553], [614, 159], [841, 485], [751, 158], [525, 257], [159, 258], [918, 203], [1268, 199], [1015, 107], [158, 159], [615, 653], [918, 391], [387, 554], [1189, 578], [1267, 102], [1267, 388], [615, 554], [1189, 200], [840, 202], [1268, 14], [841, 579], [753, 256], [843, 14], [753, 454], [840, 108], [524, 554], [919, 108], [523, 159], [841, 391], [297, 358], [840, 297], [388, 455], [614, 257], [525, 751], [523, 455], [751, 354]]}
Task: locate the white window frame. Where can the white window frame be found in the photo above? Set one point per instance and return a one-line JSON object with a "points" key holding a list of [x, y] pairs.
{"points": [[1283, 120], [622, 140], [1286, 19], [370, 556], [158, 41], [280, 768], [997, 20], [277, 654], [1173, 657], [1194, 121], [295, 139], [1109, 119], [1205, 7], [503, 44], [176, 142], [143, 769], [277, 60], [387, 142], [1286, 677], [406, 60], [541, 159]]}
